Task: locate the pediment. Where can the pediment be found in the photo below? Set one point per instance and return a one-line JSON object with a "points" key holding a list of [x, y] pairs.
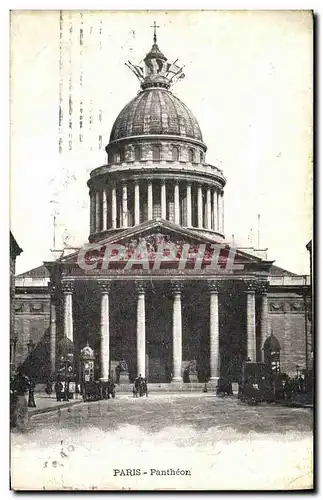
{"points": [[151, 241]]}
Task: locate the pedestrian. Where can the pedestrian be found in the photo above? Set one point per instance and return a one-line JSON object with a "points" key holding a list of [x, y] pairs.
{"points": [[31, 396], [59, 389], [20, 388]]}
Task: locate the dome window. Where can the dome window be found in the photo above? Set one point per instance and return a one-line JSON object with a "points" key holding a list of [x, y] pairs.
{"points": [[201, 157], [138, 153], [121, 155], [156, 153], [175, 153], [191, 155]]}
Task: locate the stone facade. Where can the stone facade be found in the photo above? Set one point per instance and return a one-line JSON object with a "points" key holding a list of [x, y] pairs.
{"points": [[169, 322]]}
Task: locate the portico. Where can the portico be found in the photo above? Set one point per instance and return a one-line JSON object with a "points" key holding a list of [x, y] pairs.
{"points": [[159, 323]]}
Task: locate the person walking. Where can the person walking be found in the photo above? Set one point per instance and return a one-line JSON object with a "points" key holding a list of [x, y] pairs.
{"points": [[31, 396]]}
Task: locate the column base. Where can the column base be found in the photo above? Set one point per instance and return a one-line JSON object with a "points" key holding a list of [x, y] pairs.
{"points": [[177, 380], [212, 383]]}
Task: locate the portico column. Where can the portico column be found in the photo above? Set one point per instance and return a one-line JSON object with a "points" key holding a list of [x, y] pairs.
{"points": [[141, 330], [150, 200], [105, 210], [177, 333], [92, 212], [176, 202], [199, 207], [163, 199], [189, 204], [215, 210], [263, 317], [222, 212], [97, 211], [52, 341], [68, 310], [214, 331], [137, 204], [124, 206], [114, 206], [208, 208], [251, 321], [104, 334]]}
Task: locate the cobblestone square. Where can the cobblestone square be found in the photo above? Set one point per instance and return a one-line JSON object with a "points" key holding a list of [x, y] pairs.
{"points": [[221, 443]]}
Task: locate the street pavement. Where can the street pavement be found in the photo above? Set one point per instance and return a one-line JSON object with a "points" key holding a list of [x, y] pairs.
{"points": [[221, 442]]}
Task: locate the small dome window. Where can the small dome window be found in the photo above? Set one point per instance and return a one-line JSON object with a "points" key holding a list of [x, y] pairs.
{"points": [[138, 153], [122, 155], [156, 153], [201, 157], [191, 155], [175, 153]]}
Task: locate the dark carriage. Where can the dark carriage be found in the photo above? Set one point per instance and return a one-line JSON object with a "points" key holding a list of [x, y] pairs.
{"points": [[256, 383], [108, 389], [91, 391], [140, 388]]}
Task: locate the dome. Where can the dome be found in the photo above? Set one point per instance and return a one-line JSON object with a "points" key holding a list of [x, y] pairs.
{"points": [[155, 111], [272, 344]]}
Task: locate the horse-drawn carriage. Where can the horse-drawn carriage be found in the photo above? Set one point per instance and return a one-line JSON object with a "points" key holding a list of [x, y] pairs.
{"points": [[256, 383], [140, 387], [96, 390]]}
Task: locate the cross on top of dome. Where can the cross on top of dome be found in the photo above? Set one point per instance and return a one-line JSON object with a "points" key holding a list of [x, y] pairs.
{"points": [[155, 35], [157, 71]]}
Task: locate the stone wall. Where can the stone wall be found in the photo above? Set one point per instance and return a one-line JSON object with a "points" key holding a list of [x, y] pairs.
{"points": [[32, 324], [287, 323]]}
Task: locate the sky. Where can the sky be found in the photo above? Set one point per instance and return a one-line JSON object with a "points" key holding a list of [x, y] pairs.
{"points": [[248, 82]]}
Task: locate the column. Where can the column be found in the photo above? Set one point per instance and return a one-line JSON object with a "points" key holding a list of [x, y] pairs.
{"points": [[208, 208], [219, 213], [92, 212], [150, 200], [199, 207], [214, 331], [97, 211], [251, 321], [222, 212], [137, 204], [177, 333], [263, 317], [141, 330], [176, 203], [163, 200], [215, 210], [189, 204], [68, 310], [52, 340], [114, 206], [105, 348], [105, 210], [124, 206]]}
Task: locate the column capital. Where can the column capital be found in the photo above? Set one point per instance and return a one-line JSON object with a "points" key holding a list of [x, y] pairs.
{"points": [[141, 286], [251, 286], [104, 286], [67, 287], [262, 287], [214, 286], [177, 287]]}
